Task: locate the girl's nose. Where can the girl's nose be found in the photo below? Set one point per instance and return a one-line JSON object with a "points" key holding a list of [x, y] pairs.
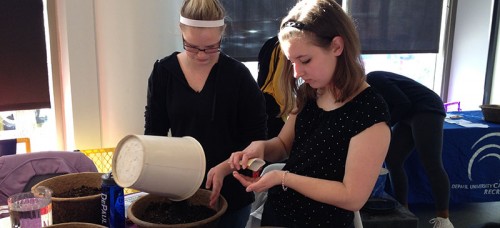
{"points": [[201, 53], [297, 73]]}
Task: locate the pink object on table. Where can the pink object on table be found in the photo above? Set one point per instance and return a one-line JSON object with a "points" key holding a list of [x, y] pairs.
{"points": [[452, 103]]}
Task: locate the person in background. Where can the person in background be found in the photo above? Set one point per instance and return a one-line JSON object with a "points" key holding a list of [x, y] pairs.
{"points": [[271, 60], [336, 136], [417, 117], [203, 93]]}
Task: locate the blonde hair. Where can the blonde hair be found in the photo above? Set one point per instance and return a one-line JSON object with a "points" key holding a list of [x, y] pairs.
{"points": [[204, 10]]}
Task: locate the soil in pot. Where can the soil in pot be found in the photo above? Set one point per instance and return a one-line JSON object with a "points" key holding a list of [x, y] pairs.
{"points": [[138, 210], [176, 212], [74, 209], [79, 192]]}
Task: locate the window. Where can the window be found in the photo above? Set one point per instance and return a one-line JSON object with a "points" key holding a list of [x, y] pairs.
{"points": [[38, 125], [37, 121], [24, 80], [420, 67], [395, 26], [386, 26], [402, 37], [250, 24], [398, 36]]}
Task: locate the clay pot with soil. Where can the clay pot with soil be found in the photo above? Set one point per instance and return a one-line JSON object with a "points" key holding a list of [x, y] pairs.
{"points": [[158, 211], [76, 197]]}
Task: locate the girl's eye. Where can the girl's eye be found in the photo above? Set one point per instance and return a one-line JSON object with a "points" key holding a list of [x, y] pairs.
{"points": [[305, 61]]}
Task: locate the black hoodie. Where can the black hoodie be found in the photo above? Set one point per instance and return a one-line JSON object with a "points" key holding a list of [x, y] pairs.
{"points": [[225, 116]]}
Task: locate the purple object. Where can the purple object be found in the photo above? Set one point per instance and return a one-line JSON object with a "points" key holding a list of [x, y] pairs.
{"points": [[17, 170], [8, 147]]}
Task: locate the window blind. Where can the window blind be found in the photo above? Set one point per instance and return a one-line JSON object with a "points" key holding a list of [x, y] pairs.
{"points": [[384, 26], [250, 24], [395, 26], [24, 80]]}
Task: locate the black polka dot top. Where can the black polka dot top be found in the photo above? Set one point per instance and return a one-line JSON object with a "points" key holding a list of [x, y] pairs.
{"points": [[320, 150]]}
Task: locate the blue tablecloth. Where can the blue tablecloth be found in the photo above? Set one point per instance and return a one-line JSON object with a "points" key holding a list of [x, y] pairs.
{"points": [[471, 156]]}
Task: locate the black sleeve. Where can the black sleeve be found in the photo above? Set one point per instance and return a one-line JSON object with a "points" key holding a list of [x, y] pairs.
{"points": [[252, 106], [156, 118]]}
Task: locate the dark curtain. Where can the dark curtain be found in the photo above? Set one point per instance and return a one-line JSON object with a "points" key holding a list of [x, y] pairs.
{"points": [[396, 26], [23, 56], [385, 26], [250, 24]]}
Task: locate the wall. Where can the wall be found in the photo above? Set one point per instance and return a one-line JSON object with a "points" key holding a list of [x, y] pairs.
{"points": [[78, 110], [129, 41], [107, 52]]}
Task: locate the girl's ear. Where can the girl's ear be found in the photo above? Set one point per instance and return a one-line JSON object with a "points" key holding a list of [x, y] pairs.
{"points": [[337, 45]]}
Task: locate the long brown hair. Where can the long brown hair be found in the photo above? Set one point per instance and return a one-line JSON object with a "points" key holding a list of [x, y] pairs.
{"points": [[321, 21]]}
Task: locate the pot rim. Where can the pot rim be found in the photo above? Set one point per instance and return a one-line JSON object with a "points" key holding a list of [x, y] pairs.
{"points": [[222, 203]]}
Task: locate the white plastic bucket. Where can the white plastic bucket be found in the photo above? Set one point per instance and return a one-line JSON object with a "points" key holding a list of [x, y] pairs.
{"points": [[173, 167]]}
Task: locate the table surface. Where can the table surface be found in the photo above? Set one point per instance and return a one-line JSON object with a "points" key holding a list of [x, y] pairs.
{"points": [[475, 117]]}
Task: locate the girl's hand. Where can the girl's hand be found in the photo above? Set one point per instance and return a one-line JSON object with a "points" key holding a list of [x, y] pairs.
{"points": [[260, 184], [215, 179], [239, 160]]}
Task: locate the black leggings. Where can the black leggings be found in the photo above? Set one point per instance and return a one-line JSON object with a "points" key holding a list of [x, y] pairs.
{"points": [[424, 133]]}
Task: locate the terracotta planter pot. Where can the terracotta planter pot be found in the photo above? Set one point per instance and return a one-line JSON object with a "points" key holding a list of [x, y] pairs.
{"points": [[85, 209], [202, 197], [76, 225]]}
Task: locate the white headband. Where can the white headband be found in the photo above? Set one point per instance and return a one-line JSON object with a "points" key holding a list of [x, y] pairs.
{"points": [[201, 23]]}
